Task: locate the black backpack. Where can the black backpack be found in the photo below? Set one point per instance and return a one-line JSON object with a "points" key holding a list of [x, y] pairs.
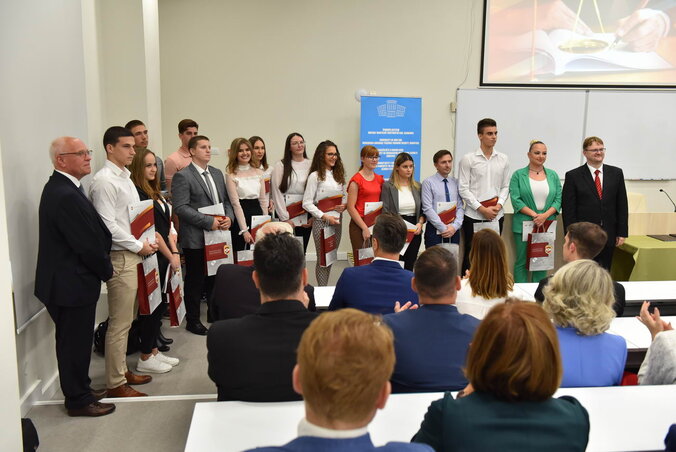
{"points": [[133, 342]]}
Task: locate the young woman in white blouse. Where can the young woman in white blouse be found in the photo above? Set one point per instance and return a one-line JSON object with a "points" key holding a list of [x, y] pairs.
{"points": [[246, 191], [327, 176], [288, 178], [401, 195], [260, 161]]}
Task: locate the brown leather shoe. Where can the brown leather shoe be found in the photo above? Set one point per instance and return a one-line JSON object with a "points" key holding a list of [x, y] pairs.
{"points": [[125, 391], [93, 409], [99, 393], [133, 379]]}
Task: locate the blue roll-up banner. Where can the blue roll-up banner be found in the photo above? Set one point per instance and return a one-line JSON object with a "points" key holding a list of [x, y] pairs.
{"points": [[393, 125]]}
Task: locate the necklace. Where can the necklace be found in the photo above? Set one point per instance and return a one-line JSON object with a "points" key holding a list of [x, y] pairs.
{"points": [[536, 172]]}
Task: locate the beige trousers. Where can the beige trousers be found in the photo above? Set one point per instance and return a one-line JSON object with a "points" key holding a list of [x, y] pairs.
{"points": [[121, 312]]}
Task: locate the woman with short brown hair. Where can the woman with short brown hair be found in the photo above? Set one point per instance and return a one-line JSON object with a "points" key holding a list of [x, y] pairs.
{"points": [[514, 368]]}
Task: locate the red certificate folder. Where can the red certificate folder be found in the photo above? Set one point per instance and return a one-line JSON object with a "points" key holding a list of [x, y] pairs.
{"points": [[327, 204], [294, 207], [142, 222], [328, 247], [490, 202], [175, 293], [371, 212]]}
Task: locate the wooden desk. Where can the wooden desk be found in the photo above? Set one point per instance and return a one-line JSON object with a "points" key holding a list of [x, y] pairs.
{"points": [[234, 426]]}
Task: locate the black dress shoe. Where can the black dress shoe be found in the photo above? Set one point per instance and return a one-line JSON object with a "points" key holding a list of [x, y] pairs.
{"points": [[164, 340], [196, 328], [162, 347], [93, 409], [99, 393]]}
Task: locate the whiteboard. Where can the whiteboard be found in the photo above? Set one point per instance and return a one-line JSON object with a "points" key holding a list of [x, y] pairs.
{"points": [[638, 129], [555, 117]]}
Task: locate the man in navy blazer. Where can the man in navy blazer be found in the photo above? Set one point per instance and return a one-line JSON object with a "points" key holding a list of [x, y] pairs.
{"points": [[345, 360], [198, 185], [445, 333], [595, 192], [73, 259], [376, 287]]}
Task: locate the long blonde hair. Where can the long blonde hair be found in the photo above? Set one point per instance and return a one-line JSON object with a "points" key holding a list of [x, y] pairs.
{"points": [[489, 275], [232, 155], [395, 179]]}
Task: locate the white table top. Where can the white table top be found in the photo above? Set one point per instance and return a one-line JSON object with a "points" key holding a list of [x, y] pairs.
{"points": [[323, 295], [234, 426], [633, 331], [635, 291]]}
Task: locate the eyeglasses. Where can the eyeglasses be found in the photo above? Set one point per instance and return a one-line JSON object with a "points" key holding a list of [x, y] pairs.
{"points": [[331, 154], [297, 143], [596, 150], [373, 157], [88, 152]]}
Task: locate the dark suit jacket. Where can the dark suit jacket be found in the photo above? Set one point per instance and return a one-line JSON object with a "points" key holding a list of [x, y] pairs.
{"points": [[235, 294], [618, 306], [436, 366], [373, 288], [580, 201], [189, 193], [251, 358], [74, 246]]}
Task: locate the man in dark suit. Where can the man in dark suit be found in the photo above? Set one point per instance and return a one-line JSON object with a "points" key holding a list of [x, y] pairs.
{"points": [[595, 192], [585, 240], [235, 294], [251, 358], [344, 362], [73, 259], [437, 323], [376, 287], [198, 185]]}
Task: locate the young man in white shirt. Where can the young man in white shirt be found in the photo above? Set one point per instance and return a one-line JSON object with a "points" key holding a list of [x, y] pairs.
{"points": [[112, 192], [483, 184]]}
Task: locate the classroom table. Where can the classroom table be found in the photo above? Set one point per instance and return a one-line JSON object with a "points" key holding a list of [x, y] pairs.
{"points": [[643, 258], [235, 426]]}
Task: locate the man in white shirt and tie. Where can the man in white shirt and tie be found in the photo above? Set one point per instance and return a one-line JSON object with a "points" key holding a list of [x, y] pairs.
{"points": [[112, 191], [195, 186], [483, 184]]}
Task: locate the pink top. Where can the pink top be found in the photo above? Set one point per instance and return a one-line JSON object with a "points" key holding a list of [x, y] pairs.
{"points": [[369, 191], [174, 163]]}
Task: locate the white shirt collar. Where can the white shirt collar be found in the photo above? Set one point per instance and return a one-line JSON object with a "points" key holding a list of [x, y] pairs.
{"points": [[305, 428], [73, 179], [388, 260], [593, 170], [122, 172], [199, 169]]}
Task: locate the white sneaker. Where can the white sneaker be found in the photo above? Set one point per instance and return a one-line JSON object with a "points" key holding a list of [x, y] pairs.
{"points": [[173, 362], [152, 365]]}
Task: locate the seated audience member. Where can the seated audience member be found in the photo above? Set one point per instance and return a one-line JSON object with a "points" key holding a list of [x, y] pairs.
{"points": [[579, 298], [251, 358], [235, 294], [376, 287], [584, 240], [445, 333], [489, 281], [345, 360], [659, 364], [514, 368]]}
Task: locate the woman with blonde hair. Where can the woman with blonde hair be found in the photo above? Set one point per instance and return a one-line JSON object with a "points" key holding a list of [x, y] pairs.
{"points": [[246, 191], [579, 299], [514, 369], [401, 195], [489, 281]]}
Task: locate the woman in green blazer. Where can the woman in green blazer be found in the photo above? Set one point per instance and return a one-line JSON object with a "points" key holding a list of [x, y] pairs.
{"points": [[536, 196]]}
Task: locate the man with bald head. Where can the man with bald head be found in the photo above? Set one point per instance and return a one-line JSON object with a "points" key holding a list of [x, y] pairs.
{"points": [[73, 259]]}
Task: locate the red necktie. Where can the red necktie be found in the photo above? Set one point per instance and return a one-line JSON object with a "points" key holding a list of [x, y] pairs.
{"points": [[597, 181]]}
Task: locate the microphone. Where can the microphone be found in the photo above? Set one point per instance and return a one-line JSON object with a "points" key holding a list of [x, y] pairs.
{"points": [[672, 201]]}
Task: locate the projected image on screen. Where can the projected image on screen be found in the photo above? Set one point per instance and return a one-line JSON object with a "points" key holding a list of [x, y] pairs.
{"points": [[580, 42]]}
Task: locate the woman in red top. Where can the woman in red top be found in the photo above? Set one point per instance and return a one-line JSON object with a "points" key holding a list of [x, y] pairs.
{"points": [[364, 187]]}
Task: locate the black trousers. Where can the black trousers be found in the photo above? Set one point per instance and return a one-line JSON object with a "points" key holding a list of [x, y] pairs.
{"points": [[300, 231], [605, 257], [195, 283], [411, 254], [468, 235], [74, 337], [150, 325]]}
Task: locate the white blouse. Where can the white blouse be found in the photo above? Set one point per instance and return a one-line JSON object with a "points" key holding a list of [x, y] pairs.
{"points": [[246, 183], [477, 306], [319, 189], [296, 185], [540, 190], [406, 201]]}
